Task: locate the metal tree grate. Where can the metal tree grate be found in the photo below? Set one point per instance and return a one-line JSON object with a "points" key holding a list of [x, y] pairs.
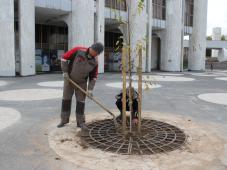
{"points": [[155, 137]]}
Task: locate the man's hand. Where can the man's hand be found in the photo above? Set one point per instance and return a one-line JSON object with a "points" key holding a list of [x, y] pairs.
{"points": [[135, 121], [117, 97], [89, 93], [66, 76]]}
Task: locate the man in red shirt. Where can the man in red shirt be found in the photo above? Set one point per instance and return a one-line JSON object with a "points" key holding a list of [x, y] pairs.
{"points": [[81, 65]]}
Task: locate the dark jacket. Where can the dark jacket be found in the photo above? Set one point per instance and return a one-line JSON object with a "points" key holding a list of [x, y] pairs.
{"points": [[134, 103]]}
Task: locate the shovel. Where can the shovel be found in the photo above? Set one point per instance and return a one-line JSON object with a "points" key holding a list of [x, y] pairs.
{"points": [[95, 100]]}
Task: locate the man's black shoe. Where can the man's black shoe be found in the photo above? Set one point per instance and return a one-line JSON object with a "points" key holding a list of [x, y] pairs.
{"points": [[60, 125]]}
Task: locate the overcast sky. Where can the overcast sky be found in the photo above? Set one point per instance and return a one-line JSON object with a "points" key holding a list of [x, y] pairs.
{"points": [[217, 15]]}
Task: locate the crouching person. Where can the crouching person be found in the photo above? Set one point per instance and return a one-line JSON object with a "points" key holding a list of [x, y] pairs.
{"points": [[134, 112], [81, 65]]}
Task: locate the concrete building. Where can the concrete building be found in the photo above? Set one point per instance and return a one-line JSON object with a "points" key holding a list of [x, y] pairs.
{"points": [[216, 36], [35, 33], [220, 53]]}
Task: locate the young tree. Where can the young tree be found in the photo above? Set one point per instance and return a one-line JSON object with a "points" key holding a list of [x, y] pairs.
{"points": [[128, 63]]}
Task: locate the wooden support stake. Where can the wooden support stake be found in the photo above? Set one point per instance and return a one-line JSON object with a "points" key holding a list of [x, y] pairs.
{"points": [[124, 70], [130, 64], [139, 72]]}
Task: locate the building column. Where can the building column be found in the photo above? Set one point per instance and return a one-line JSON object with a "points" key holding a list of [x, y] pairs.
{"points": [[138, 31], [172, 37], [7, 43], [68, 20], [82, 23], [149, 36], [216, 35], [222, 55], [100, 30], [197, 48], [27, 36]]}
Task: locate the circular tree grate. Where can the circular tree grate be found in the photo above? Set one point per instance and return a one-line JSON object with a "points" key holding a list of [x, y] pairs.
{"points": [[155, 137]]}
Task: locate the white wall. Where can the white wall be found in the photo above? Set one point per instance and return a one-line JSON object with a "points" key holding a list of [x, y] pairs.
{"points": [[215, 53], [138, 28], [7, 50], [216, 34], [100, 30], [27, 37], [149, 36], [82, 22], [171, 60], [222, 55], [197, 49]]}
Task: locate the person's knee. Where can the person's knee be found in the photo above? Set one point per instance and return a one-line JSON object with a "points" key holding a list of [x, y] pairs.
{"points": [[80, 97], [67, 95]]}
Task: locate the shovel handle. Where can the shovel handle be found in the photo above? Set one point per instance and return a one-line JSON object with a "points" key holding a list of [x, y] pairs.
{"points": [[92, 98]]}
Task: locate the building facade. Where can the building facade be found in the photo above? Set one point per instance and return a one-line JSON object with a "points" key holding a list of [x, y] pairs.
{"points": [[34, 34], [220, 54]]}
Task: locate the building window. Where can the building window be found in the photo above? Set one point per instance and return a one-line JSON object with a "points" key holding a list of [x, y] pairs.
{"points": [[189, 6], [159, 9], [51, 37], [116, 4], [112, 51], [51, 43]]}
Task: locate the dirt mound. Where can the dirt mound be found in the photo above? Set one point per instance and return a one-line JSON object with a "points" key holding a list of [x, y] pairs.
{"points": [[205, 148]]}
